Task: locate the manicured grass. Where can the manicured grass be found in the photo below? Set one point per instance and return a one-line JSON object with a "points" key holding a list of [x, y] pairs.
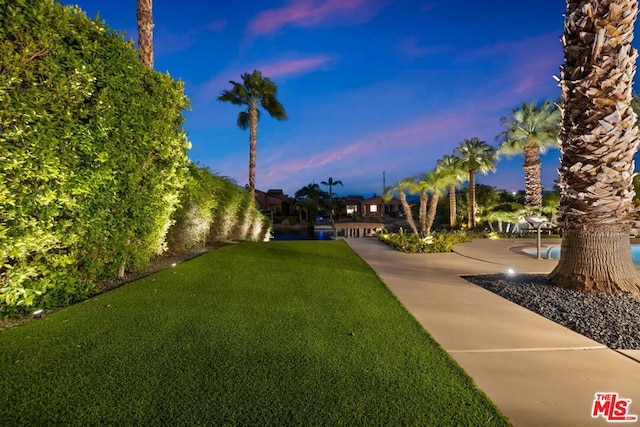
{"points": [[280, 333]]}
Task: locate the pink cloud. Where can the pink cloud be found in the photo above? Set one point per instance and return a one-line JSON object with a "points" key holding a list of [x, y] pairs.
{"points": [[410, 47], [277, 69], [429, 6], [170, 43], [528, 65], [311, 13], [294, 66], [432, 133]]}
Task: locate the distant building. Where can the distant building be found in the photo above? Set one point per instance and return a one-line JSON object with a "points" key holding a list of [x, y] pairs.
{"points": [[372, 206], [276, 202], [353, 204]]}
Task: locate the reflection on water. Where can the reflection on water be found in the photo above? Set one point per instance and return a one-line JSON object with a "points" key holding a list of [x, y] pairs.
{"points": [[302, 234]]}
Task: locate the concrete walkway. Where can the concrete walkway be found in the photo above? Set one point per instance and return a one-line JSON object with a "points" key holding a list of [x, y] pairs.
{"points": [[537, 372]]}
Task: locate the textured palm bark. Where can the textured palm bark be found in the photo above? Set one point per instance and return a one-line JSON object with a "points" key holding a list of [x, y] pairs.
{"points": [[452, 205], [533, 189], [253, 138], [424, 200], [407, 211], [145, 32], [431, 214], [598, 140], [597, 262], [472, 199]]}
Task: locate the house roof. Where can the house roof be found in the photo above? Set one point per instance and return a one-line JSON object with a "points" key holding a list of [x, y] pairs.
{"points": [[272, 197], [379, 201]]}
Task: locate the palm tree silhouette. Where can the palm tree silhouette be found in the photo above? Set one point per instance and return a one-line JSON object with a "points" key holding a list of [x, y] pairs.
{"points": [[254, 91]]}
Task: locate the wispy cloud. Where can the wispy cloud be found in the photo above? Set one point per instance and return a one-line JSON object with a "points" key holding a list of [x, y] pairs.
{"points": [[312, 13], [527, 66], [170, 43], [431, 133], [294, 67], [280, 69], [429, 6], [411, 47]]}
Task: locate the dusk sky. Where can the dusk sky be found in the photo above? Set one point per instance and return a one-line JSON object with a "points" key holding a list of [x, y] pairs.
{"points": [[369, 85]]}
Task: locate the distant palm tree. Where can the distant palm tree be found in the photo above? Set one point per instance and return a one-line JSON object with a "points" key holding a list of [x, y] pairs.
{"points": [[531, 129], [454, 173], [476, 156], [400, 188], [255, 91], [417, 185], [599, 138], [330, 183], [145, 32], [309, 198]]}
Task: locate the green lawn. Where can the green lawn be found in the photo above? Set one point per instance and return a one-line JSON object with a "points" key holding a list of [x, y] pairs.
{"points": [[279, 333]]}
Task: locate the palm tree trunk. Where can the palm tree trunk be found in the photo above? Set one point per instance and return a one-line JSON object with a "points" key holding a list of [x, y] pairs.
{"points": [[452, 205], [431, 215], [407, 211], [253, 137], [145, 32], [598, 140], [533, 188], [472, 199], [424, 200], [596, 262]]}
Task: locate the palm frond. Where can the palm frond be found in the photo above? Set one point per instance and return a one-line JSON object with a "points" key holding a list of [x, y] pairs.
{"points": [[243, 120]]}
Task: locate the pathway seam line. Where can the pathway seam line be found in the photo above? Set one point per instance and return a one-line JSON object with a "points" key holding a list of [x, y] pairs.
{"points": [[533, 349]]}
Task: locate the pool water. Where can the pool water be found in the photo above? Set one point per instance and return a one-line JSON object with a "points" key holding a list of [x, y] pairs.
{"points": [[554, 253], [302, 234]]}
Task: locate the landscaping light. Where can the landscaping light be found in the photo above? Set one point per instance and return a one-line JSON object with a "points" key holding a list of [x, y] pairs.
{"points": [[173, 265], [37, 314], [511, 272]]}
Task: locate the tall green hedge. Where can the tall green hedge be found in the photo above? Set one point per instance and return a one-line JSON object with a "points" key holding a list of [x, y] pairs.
{"points": [[92, 154]]}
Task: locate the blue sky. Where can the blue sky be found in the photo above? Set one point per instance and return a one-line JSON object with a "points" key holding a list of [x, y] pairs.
{"points": [[369, 85]]}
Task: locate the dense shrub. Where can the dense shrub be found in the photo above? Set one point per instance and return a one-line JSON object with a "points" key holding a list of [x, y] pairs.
{"points": [[92, 155], [194, 215], [213, 209], [435, 242]]}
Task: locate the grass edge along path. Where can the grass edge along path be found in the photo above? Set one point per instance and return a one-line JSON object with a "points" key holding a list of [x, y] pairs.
{"points": [[278, 333]]}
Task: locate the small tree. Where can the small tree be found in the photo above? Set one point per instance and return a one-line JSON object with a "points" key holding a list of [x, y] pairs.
{"points": [[531, 129], [330, 183], [400, 188], [476, 156]]}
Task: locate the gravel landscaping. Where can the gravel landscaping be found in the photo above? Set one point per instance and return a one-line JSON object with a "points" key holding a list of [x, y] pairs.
{"points": [[612, 320]]}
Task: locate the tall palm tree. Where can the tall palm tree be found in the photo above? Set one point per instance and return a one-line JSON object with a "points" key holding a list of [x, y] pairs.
{"points": [[598, 139], [145, 32], [531, 129], [454, 173], [255, 91], [330, 183], [476, 156], [401, 187]]}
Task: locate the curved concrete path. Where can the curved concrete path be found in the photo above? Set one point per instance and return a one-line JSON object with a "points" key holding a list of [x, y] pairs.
{"points": [[537, 372]]}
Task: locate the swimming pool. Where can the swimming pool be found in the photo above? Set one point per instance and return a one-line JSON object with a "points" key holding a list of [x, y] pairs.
{"points": [[553, 252]]}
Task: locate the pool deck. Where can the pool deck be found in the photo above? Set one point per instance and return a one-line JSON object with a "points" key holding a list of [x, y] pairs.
{"points": [[537, 372]]}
